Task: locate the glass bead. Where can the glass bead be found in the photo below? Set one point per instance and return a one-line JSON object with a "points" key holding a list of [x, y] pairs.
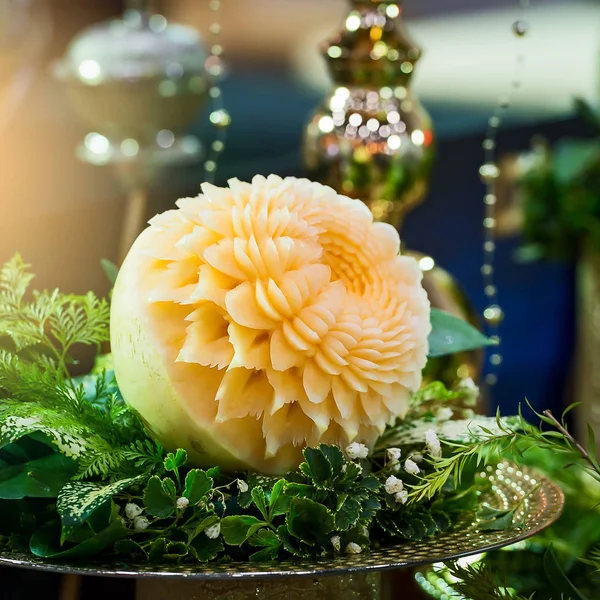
{"points": [[493, 315], [520, 28], [489, 172], [491, 379], [220, 118], [495, 359]]}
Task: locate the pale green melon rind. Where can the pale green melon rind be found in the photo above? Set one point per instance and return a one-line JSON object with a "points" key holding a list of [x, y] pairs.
{"points": [[156, 386]]}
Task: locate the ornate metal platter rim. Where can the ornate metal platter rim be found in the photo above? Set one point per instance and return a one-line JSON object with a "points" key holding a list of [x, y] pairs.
{"points": [[509, 484]]}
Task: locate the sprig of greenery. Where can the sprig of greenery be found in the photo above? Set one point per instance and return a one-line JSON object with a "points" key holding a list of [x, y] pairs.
{"points": [[47, 327], [514, 438], [478, 582], [561, 193], [554, 576], [89, 423]]}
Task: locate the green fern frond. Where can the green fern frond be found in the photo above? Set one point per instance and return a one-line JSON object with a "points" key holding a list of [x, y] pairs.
{"points": [[593, 559], [51, 323], [85, 419], [144, 453], [509, 441], [14, 281], [478, 582]]}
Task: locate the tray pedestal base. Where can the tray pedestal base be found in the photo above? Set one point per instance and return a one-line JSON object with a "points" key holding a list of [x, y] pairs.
{"points": [[352, 586]]}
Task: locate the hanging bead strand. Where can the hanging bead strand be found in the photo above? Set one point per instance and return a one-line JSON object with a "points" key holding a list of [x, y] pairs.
{"points": [[219, 117], [489, 173]]}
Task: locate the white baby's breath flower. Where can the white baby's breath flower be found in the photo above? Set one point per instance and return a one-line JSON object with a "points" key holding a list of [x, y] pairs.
{"points": [[242, 485], [393, 455], [213, 531], [132, 511], [401, 497], [336, 542], [393, 485], [411, 467], [433, 443], [356, 450], [470, 391], [444, 413], [353, 548], [182, 503], [141, 523]]}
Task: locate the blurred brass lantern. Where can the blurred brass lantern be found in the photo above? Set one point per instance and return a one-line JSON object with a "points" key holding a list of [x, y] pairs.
{"points": [[371, 138], [138, 82]]}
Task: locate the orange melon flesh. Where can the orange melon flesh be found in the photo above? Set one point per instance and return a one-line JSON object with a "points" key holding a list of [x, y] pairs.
{"points": [[260, 318], [176, 400]]}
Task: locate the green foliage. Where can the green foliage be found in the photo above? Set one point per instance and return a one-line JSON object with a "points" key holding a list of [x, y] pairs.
{"points": [[561, 195], [450, 335], [79, 474], [85, 419], [40, 478], [509, 440], [78, 500], [478, 582], [558, 579], [110, 270], [43, 542]]}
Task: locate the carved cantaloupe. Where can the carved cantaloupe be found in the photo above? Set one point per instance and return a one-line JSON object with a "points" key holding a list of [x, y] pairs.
{"points": [[259, 318]]}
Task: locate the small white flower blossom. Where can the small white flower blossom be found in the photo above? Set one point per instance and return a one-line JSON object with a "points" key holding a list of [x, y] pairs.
{"points": [[444, 413], [411, 467], [213, 531], [356, 450], [418, 458], [242, 485], [344, 468], [393, 455], [353, 548], [141, 523], [433, 443], [470, 390], [132, 511], [393, 485], [182, 503], [336, 542], [401, 497], [396, 468]]}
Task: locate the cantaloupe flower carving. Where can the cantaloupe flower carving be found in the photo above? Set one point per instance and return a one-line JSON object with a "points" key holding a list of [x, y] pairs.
{"points": [[263, 317]]}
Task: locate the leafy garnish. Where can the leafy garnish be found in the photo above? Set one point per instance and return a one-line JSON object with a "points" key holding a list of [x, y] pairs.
{"points": [[449, 335]]}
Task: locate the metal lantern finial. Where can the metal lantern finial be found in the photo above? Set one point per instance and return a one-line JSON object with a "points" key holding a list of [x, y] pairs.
{"points": [[371, 139]]}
